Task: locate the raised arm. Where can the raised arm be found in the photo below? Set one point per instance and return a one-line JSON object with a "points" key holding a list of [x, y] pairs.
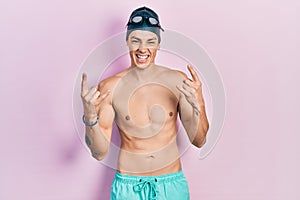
{"points": [[191, 108], [98, 117]]}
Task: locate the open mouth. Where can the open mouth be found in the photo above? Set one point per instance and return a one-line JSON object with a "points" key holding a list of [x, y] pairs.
{"points": [[142, 58]]}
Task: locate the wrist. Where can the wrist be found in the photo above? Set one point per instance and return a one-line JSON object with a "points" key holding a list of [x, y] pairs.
{"points": [[90, 120], [89, 111], [89, 115]]}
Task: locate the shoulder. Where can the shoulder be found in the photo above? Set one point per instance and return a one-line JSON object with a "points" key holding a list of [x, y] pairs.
{"points": [[181, 74], [173, 72], [110, 82]]}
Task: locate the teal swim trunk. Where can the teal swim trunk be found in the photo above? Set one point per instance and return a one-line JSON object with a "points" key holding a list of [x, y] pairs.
{"points": [[164, 187]]}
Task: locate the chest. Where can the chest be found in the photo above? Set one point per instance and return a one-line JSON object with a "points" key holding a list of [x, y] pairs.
{"points": [[144, 103]]}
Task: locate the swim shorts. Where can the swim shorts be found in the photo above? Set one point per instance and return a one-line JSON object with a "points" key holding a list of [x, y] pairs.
{"points": [[164, 187]]}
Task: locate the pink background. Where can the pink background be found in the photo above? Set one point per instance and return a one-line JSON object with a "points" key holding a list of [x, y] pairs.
{"points": [[254, 43]]}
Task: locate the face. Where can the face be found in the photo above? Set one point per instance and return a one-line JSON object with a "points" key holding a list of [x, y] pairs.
{"points": [[143, 46]]}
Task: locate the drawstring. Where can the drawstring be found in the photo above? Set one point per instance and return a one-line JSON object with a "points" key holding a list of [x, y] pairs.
{"points": [[143, 183]]}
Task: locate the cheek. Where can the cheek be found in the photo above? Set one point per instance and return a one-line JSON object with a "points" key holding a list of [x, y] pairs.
{"points": [[132, 54], [153, 51], [132, 47]]}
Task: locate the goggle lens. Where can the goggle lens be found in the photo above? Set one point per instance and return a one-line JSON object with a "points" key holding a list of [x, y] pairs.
{"points": [[138, 19], [153, 21]]}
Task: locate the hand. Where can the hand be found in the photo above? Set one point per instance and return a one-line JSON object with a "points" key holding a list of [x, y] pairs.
{"points": [[91, 98], [192, 89]]}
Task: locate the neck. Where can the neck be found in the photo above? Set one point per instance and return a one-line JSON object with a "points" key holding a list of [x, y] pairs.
{"points": [[143, 74]]}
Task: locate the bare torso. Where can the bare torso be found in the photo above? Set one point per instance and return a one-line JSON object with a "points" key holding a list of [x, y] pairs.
{"points": [[145, 103]]}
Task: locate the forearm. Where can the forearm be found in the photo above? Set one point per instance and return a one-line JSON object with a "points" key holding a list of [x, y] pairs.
{"points": [[196, 124], [201, 126], [95, 139]]}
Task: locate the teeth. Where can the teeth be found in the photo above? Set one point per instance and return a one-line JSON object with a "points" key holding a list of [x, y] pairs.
{"points": [[142, 57]]}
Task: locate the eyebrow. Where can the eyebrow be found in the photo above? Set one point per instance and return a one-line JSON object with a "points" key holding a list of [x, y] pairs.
{"points": [[151, 39], [135, 38]]}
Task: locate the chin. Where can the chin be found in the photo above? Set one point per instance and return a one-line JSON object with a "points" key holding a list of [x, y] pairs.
{"points": [[142, 63]]}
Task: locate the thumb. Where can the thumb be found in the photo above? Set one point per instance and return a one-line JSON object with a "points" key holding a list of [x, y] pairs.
{"points": [[103, 96]]}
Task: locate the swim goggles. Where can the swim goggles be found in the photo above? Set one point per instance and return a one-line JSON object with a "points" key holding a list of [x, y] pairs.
{"points": [[139, 20]]}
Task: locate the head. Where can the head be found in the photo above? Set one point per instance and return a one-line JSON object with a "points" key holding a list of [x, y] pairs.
{"points": [[143, 36]]}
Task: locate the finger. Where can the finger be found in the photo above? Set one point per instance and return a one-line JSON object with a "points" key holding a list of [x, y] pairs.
{"points": [[189, 83], [193, 84], [84, 88], [103, 96], [91, 93], [183, 91], [96, 95], [188, 88], [193, 73]]}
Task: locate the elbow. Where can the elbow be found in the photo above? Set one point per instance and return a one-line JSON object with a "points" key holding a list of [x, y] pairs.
{"points": [[199, 143], [205, 128], [99, 156]]}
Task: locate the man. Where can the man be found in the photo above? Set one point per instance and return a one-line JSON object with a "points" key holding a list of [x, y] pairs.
{"points": [[144, 101]]}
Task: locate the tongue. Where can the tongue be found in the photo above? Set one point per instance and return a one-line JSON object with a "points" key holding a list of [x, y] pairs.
{"points": [[142, 60]]}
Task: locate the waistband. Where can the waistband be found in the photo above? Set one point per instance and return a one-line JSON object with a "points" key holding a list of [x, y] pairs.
{"points": [[125, 178]]}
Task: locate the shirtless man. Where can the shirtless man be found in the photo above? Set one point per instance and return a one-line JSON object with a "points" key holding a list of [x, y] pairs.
{"points": [[144, 101]]}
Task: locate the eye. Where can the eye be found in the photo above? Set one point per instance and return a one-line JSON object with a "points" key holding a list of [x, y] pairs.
{"points": [[134, 41], [151, 42]]}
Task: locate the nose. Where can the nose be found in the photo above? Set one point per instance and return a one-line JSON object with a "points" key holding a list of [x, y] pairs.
{"points": [[142, 47]]}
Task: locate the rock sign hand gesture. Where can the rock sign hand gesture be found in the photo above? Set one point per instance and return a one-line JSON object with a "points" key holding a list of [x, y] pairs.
{"points": [[91, 98], [192, 89]]}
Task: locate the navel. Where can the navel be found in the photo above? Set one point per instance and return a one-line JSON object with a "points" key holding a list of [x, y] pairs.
{"points": [[170, 114]]}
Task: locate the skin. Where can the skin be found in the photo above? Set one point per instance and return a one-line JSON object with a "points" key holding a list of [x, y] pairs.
{"points": [[144, 100]]}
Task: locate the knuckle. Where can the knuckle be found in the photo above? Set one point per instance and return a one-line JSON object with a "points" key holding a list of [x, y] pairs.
{"points": [[89, 101], [84, 98], [198, 85]]}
